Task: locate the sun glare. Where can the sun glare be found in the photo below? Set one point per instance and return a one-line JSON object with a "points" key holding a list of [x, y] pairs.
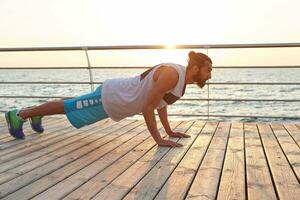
{"points": [[170, 46]]}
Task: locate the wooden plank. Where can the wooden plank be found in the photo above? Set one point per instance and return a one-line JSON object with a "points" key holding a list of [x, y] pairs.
{"points": [[14, 143], [120, 186], [4, 134], [98, 182], [179, 182], [259, 181], [3, 131], [6, 137], [61, 145], [232, 184], [149, 186], [2, 120], [47, 120], [290, 148], [59, 132], [41, 142], [294, 132], [206, 181], [49, 174], [286, 183], [51, 131], [33, 175], [69, 184], [53, 156], [3, 125], [171, 185]]}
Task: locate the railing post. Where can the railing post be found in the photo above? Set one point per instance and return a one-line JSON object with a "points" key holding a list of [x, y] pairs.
{"points": [[89, 68], [207, 91]]}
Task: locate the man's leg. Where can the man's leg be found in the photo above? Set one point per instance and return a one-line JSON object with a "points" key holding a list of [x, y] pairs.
{"points": [[49, 108], [15, 118]]}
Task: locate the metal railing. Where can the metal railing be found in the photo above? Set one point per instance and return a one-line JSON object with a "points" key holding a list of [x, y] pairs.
{"points": [[91, 82]]}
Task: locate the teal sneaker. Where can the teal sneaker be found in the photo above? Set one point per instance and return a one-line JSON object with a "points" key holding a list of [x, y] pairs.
{"points": [[36, 124], [15, 124]]}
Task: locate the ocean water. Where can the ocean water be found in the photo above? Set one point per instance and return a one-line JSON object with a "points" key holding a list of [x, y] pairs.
{"points": [[288, 109]]}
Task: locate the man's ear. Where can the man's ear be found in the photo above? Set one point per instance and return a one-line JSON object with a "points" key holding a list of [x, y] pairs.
{"points": [[195, 69]]}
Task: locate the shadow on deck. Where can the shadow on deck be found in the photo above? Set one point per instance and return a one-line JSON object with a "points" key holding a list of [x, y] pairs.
{"points": [[119, 160]]}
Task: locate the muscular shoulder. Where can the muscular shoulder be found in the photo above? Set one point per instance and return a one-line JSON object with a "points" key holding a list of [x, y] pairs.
{"points": [[166, 71], [166, 77]]}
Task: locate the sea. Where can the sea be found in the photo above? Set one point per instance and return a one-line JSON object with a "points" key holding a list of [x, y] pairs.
{"points": [[195, 107]]}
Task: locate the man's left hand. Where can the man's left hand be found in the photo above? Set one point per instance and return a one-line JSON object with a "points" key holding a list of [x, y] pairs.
{"points": [[178, 134]]}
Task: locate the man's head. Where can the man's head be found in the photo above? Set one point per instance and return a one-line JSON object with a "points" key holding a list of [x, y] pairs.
{"points": [[199, 68]]}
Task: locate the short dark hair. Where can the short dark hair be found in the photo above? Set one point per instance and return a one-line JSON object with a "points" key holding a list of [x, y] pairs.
{"points": [[197, 59]]}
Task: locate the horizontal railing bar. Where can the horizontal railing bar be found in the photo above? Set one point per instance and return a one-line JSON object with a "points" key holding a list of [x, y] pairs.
{"points": [[145, 67], [257, 100], [246, 116], [240, 116], [253, 83], [215, 67], [257, 67], [38, 68], [183, 99], [210, 83], [133, 47], [35, 97], [44, 82]]}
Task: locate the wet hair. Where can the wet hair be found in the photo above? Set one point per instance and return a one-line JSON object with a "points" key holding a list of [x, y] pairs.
{"points": [[197, 59]]}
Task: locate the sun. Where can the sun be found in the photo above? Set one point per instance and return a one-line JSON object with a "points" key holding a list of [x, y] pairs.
{"points": [[170, 46]]}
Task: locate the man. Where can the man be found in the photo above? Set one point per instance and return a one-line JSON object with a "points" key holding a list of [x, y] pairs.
{"points": [[119, 98]]}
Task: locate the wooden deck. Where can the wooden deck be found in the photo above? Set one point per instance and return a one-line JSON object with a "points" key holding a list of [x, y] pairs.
{"points": [[110, 160]]}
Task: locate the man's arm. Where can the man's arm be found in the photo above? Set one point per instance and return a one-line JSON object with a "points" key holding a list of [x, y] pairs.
{"points": [[163, 115], [167, 79]]}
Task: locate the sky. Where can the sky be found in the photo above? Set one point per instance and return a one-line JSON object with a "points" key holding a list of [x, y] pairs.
{"points": [[33, 23]]}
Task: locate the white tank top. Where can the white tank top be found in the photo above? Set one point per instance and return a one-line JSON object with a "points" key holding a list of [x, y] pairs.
{"points": [[123, 97]]}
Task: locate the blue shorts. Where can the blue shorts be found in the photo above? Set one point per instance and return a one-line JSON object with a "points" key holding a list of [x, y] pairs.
{"points": [[86, 109]]}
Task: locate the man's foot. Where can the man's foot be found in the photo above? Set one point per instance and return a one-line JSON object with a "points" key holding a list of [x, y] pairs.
{"points": [[15, 124], [36, 124]]}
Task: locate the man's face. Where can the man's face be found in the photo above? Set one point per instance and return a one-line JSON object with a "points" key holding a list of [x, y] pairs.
{"points": [[203, 74]]}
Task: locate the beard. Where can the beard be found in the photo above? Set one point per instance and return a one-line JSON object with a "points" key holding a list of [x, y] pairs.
{"points": [[199, 81], [201, 84]]}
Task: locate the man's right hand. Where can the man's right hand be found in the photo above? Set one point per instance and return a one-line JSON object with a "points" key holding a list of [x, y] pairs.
{"points": [[168, 143]]}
